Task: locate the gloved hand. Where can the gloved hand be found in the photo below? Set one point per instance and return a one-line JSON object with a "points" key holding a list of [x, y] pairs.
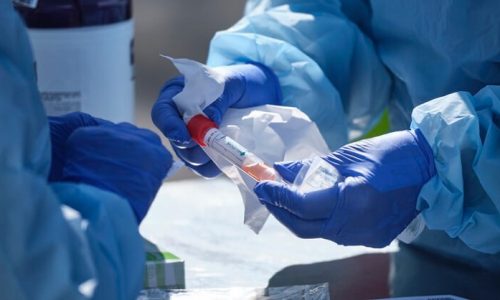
{"points": [[246, 85], [375, 202], [119, 158], [61, 127]]}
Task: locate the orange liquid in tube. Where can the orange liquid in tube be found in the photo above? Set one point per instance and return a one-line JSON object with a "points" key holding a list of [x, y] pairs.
{"points": [[205, 133], [260, 171]]}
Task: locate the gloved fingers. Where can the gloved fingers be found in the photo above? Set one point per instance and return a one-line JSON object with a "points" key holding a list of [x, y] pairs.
{"points": [[140, 208], [131, 145], [300, 227], [355, 159], [308, 206], [347, 162], [207, 169], [429, 168], [181, 145], [162, 159], [146, 134], [215, 111], [194, 156], [251, 84], [83, 119], [143, 133], [75, 120], [166, 116], [289, 169], [234, 87], [122, 158], [62, 126], [116, 145], [102, 122]]}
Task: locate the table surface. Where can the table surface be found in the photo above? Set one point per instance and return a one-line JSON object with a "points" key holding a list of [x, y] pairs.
{"points": [[201, 221]]}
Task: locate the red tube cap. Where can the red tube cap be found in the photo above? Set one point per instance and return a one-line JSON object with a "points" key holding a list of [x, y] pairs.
{"points": [[198, 126]]}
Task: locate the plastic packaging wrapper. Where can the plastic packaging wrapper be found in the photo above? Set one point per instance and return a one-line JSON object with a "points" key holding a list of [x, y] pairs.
{"points": [[202, 86], [273, 133], [298, 292], [316, 175]]}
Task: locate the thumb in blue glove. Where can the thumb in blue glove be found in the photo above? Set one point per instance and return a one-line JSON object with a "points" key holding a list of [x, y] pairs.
{"points": [[119, 158], [245, 85], [61, 127], [375, 202]]}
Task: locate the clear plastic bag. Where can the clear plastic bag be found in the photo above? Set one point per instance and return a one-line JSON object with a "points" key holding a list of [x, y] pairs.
{"points": [[316, 175]]}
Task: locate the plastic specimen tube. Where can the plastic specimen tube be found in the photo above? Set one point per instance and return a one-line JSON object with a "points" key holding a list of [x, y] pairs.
{"points": [[206, 134]]}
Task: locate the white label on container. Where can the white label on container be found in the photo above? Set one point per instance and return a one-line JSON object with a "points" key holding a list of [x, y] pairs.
{"points": [[59, 79], [61, 102], [87, 69]]}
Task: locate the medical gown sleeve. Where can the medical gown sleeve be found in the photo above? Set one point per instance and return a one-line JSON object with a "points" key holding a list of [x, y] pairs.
{"points": [[464, 199], [56, 241], [325, 64]]}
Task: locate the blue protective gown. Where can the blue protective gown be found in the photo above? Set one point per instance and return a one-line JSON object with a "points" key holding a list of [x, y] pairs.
{"points": [[57, 241], [434, 64]]}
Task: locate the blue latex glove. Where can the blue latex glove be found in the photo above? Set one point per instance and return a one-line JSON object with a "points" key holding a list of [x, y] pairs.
{"points": [[246, 85], [375, 202], [61, 127], [120, 158]]}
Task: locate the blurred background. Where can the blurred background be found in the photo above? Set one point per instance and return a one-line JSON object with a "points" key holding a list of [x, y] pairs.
{"points": [[178, 28]]}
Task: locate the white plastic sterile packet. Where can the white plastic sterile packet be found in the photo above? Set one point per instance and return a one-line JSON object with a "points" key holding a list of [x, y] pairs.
{"points": [[273, 133], [202, 86]]}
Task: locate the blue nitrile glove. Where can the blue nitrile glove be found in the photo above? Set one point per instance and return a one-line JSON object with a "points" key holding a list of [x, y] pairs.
{"points": [[61, 127], [120, 158], [375, 202], [246, 85]]}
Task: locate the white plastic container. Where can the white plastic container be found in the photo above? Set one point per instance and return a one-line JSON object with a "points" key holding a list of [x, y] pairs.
{"points": [[87, 69], [83, 53]]}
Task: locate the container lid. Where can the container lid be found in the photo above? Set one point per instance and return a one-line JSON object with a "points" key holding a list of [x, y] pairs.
{"points": [[198, 126], [75, 13]]}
